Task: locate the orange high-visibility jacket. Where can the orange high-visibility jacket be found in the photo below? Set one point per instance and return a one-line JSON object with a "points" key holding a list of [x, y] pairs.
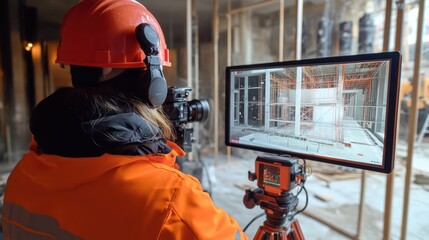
{"points": [[110, 197]]}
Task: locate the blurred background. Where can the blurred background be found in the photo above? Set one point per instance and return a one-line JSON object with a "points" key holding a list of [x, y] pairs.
{"points": [[206, 36]]}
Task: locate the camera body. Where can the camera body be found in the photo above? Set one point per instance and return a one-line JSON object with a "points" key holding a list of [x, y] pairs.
{"points": [[176, 106], [181, 112], [277, 175]]}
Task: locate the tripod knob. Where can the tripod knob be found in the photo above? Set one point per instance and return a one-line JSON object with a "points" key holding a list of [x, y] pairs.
{"points": [[251, 176], [248, 200]]}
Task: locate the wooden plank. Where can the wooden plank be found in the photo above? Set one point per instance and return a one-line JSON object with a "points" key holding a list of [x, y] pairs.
{"points": [[421, 179]]}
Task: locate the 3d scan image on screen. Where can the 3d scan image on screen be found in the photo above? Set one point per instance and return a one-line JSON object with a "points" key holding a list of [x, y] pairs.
{"points": [[339, 110]]}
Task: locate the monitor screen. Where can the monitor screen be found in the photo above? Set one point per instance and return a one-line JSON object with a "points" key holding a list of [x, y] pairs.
{"points": [[339, 110]]}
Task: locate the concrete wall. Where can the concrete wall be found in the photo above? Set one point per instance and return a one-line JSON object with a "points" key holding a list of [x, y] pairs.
{"points": [[15, 109]]}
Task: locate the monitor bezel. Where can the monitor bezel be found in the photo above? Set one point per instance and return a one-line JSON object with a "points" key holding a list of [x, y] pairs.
{"points": [[391, 107]]}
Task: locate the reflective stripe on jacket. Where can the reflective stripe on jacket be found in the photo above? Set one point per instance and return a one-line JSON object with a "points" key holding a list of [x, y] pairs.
{"points": [[110, 197]]}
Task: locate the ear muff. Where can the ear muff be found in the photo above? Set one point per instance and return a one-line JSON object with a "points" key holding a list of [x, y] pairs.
{"points": [[152, 85]]}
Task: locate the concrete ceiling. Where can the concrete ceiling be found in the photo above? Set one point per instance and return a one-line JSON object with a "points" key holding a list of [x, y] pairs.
{"points": [[170, 14]]}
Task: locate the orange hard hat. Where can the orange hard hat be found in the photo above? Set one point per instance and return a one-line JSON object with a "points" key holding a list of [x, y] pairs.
{"points": [[101, 33]]}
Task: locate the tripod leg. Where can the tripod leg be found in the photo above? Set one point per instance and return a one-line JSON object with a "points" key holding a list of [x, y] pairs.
{"points": [[295, 233], [268, 233]]}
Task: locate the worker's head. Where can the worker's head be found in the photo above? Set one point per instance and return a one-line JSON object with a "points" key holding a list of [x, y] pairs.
{"points": [[116, 50], [115, 41]]}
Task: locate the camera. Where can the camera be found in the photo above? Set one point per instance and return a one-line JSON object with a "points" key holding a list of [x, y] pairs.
{"points": [[276, 177], [277, 174], [181, 112]]}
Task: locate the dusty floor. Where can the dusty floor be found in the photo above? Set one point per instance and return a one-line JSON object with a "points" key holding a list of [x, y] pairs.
{"points": [[336, 201]]}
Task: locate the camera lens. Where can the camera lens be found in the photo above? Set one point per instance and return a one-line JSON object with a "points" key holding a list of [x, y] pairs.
{"points": [[199, 110]]}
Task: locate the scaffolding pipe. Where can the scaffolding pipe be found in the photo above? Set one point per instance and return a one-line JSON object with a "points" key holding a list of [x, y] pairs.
{"points": [[196, 54], [229, 35], [229, 57], [189, 50], [386, 30], [339, 110], [361, 212], [298, 92], [298, 36], [399, 24], [267, 100], [196, 68], [216, 78], [189, 42], [390, 178], [281, 29], [413, 119]]}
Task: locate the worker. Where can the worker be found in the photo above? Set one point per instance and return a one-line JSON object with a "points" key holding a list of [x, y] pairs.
{"points": [[406, 106], [102, 161]]}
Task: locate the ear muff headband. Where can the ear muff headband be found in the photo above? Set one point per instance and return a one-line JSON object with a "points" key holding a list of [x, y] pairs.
{"points": [[153, 85]]}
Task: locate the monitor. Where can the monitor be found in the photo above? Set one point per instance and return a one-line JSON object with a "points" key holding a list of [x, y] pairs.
{"points": [[340, 110]]}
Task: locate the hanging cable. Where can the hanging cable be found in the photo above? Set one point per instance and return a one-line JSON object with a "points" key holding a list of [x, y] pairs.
{"points": [[251, 221], [306, 202]]}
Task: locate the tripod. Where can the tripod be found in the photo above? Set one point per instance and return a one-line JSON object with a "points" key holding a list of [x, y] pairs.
{"points": [[276, 176], [279, 210]]}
